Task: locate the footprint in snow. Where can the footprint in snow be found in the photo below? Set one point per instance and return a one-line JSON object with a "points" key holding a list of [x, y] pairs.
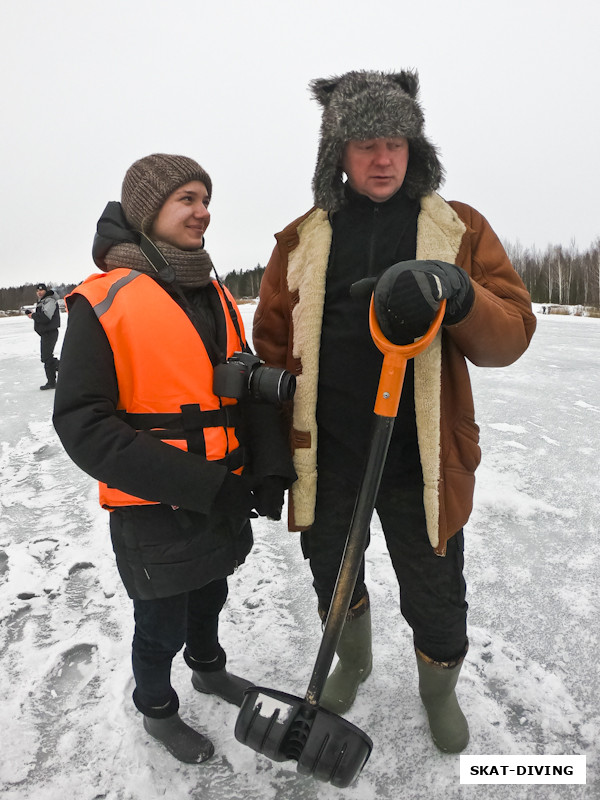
{"points": [[59, 704], [67, 684], [81, 581]]}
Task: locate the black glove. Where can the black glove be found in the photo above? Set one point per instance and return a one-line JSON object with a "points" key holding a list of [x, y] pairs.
{"points": [[234, 498], [269, 496], [407, 296]]}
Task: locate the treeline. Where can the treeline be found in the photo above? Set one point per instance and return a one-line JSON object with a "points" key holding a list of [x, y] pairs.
{"points": [[559, 274], [244, 283], [241, 283]]}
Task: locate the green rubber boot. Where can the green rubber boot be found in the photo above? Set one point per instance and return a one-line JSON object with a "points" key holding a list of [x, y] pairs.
{"points": [[437, 682], [355, 660]]}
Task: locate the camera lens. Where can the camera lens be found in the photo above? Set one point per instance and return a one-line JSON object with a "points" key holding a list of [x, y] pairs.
{"points": [[272, 384]]}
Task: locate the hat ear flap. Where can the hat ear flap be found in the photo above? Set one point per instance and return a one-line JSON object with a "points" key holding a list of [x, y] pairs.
{"points": [[408, 81], [323, 88]]}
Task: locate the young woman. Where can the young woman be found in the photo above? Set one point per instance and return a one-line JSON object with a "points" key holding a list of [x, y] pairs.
{"points": [[180, 467]]}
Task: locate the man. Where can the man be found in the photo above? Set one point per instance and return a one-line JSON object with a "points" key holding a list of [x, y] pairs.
{"points": [[46, 322], [313, 318]]}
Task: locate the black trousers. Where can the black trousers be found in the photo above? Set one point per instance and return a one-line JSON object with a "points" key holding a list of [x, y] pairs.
{"points": [[432, 588], [162, 627], [47, 344]]}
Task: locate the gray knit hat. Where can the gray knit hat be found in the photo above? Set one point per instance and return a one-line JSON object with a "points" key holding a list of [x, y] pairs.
{"points": [[149, 181], [370, 105]]}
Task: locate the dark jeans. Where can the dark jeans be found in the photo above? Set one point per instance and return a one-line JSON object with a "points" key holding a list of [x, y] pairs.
{"points": [[432, 588], [162, 627]]}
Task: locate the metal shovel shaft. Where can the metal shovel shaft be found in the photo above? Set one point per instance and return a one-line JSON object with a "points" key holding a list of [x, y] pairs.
{"points": [[353, 553]]}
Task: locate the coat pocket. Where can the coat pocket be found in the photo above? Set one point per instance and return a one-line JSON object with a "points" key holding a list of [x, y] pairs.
{"points": [[466, 444]]}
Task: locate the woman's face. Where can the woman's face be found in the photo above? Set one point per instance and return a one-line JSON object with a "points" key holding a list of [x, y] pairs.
{"points": [[183, 217]]}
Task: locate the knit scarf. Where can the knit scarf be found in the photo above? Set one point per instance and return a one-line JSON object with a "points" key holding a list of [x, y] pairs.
{"points": [[192, 267]]}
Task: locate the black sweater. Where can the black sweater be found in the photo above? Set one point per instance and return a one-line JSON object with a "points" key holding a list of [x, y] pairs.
{"points": [[368, 238]]}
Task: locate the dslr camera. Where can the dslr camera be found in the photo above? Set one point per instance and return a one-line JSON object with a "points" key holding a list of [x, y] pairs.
{"points": [[245, 375]]}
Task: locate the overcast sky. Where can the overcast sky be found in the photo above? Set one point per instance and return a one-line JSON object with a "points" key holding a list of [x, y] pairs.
{"points": [[511, 92]]}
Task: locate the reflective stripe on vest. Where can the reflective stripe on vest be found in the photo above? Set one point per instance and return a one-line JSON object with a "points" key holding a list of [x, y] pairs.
{"points": [[164, 373]]}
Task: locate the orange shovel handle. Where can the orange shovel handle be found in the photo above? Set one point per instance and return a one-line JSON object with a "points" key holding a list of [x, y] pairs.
{"points": [[395, 357]]}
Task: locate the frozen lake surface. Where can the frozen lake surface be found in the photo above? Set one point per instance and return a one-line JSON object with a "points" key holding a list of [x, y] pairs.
{"points": [[530, 683]]}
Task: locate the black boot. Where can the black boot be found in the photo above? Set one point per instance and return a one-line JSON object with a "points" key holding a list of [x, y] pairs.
{"points": [[50, 376], [181, 741], [211, 677], [224, 684]]}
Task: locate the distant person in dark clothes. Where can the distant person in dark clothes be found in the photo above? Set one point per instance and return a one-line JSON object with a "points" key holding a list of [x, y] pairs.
{"points": [[181, 462], [46, 322]]}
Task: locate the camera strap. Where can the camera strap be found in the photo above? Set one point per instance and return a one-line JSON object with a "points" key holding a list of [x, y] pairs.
{"points": [[232, 314], [166, 275], [157, 261]]}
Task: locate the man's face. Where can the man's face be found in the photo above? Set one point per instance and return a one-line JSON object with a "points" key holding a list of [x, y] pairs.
{"points": [[40, 293], [376, 167]]}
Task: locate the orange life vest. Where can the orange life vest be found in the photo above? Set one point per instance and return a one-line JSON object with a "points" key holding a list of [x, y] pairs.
{"points": [[164, 372]]}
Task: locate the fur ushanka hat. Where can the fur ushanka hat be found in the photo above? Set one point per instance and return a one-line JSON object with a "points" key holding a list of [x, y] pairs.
{"points": [[371, 105]]}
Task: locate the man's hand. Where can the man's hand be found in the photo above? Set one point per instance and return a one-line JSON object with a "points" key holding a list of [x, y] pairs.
{"points": [[408, 294]]}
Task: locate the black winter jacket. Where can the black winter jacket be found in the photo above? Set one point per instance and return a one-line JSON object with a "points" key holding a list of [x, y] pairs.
{"points": [[46, 316]]}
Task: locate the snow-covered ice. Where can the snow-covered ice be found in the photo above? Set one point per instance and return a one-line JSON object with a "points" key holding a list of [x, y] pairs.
{"points": [[530, 683]]}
